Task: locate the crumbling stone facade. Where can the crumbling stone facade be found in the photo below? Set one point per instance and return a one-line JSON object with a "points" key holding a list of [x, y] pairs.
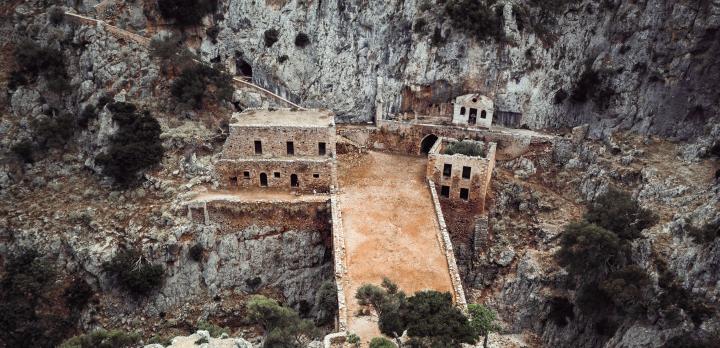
{"points": [[461, 178], [289, 149]]}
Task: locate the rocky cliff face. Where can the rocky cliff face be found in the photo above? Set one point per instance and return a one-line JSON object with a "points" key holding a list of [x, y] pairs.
{"points": [[649, 66]]}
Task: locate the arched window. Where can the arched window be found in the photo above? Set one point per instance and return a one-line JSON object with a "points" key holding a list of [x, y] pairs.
{"points": [[462, 110]]}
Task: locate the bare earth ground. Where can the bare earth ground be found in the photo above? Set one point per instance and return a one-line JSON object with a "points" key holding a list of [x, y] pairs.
{"points": [[390, 230]]}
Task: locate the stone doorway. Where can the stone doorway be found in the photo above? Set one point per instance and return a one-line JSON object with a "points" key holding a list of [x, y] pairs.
{"points": [[263, 180], [294, 180]]}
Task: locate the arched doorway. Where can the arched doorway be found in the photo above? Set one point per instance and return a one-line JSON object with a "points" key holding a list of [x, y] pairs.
{"points": [[294, 180], [263, 180], [483, 114], [427, 143]]}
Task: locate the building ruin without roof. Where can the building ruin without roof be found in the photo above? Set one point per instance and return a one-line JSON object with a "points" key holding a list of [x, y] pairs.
{"points": [[287, 148], [462, 177], [473, 110]]}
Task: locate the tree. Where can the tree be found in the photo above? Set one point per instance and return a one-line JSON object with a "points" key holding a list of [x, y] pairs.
{"points": [[586, 247], [482, 320], [135, 147], [186, 13], [134, 273], [282, 326], [431, 315], [619, 213], [192, 85], [326, 303], [34, 60], [103, 339], [629, 289]]}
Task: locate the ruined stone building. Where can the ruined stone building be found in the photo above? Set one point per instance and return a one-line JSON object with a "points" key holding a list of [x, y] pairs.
{"points": [[462, 177], [473, 110], [285, 149]]}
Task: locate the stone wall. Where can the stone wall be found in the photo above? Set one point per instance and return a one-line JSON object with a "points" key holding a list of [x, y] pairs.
{"points": [[406, 137], [231, 174], [340, 264], [446, 244], [481, 169], [241, 142]]}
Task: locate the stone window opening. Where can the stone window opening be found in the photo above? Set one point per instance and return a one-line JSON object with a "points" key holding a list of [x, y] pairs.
{"points": [[483, 114], [462, 110], [263, 180], [233, 181], [445, 191], [466, 172], [290, 148], [294, 180], [258, 147], [316, 175], [246, 175], [464, 194], [321, 149], [472, 118], [276, 174], [447, 169]]}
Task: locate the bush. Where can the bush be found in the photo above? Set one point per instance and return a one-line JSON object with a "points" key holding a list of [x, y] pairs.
{"points": [[561, 309], [467, 148], [214, 330], [55, 130], [302, 40], [56, 15], [474, 18], [283, 326], [592, 300], [326, 303], [705, 234], [196, 252], [431, 315], [134, 147], [134, 273], [192, 86], [103, 339], [619, 213], [24, 151], [629, 288], [34, 60], [381, 342], [482, 321], [271, 37], [186, 13], [88, 114], [586, 248]]}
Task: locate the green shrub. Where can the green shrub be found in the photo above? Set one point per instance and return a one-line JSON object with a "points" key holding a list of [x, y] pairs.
{"points": [[475, 18], [588, 248], [135, 147], [271, 36], [103, 339], [431, 315], [352, 339], [302, 40], [381, 342], [467, 148], [326, 303], [56, 15], [34, 60], [55, 130], [88, 114], [214, 330], [283, 326], [192, 86], [32, 312], [196, 252], [186, 13], [24, 151], [619, 213], [482, 321], [134, 273], [561, 310], [630, 289], [705, 234]]}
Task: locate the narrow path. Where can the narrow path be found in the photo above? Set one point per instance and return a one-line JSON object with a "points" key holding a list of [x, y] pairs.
{"points": [[145, 42], [391, 230]]}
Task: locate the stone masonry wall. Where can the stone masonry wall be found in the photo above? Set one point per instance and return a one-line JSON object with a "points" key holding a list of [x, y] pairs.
{"points": [[241, 141], [231, 174]]}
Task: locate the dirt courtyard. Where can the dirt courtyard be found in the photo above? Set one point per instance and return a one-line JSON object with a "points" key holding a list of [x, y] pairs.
{"points": [[390, 229]]}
